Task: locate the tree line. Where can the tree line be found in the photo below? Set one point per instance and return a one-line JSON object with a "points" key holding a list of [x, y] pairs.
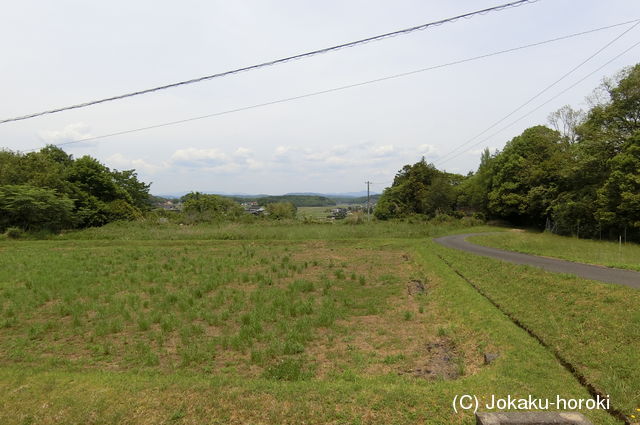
{"points": [[581, 177], [206, 208], [49, 190]]}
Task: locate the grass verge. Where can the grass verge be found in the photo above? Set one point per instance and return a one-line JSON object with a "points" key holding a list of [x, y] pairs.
{"points": [[594, 326], [610, 254]]}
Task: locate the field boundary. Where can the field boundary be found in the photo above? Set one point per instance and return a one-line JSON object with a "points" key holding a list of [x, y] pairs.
{"points": [[615, 413]]}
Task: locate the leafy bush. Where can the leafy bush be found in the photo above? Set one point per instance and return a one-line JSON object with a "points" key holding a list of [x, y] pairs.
{"points": [[32, 208], [281, 210], [122, 210], [356, 218], [49, 190], [202, 208], [14, 233]]}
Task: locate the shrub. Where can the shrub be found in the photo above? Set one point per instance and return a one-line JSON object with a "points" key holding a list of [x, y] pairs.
{"points": [[199, 207], [33, 208], [281, 210], [14, 233], [355, 218]]}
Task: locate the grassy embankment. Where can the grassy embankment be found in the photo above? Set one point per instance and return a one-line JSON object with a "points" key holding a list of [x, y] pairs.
{"points": [[610, 254], [285, 324], [594, 326]]}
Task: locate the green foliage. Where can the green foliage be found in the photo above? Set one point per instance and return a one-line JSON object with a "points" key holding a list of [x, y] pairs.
{"points": [[419, 189], [357, 217], [202, 208], [584, 181], [32, 208], [49, 190], [527, 175], [120, 209], [14, 232], [281, 210]]}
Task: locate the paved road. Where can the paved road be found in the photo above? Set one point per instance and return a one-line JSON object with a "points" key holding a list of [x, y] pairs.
{"points": [[604, 274]]}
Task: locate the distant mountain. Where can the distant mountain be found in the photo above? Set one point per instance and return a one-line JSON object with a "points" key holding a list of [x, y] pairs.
{"points": [[176, 195], [335, 195], [343, 195]]}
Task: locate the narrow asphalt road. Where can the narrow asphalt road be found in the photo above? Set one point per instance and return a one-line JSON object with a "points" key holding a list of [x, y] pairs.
{"points": [[604, 274]]}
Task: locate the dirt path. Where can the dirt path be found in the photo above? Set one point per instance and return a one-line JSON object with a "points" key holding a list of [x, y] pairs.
{"points": [[604, 274]]}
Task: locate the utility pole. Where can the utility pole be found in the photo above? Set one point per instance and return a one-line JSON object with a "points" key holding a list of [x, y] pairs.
{"points": [[368, 202]]}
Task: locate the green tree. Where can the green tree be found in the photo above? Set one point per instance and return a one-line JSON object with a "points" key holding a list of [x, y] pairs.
{"points": [[618, 199], [419, 189], [473, 192], [281, 210], [99, 195], [527, 176], [200, 207], [138, 191], [34, 208]]}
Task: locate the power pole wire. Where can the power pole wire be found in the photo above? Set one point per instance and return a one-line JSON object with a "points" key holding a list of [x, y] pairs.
{"points": [[336, 89], [551, 99], [275, 61], [444, 158]]}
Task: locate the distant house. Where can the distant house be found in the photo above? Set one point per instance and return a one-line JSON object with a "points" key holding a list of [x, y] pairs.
{"points": [[253, 208], [338, 213], [171, 206]]}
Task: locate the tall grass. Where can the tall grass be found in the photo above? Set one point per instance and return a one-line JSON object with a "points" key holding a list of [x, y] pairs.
{"points": [[269, 230]]}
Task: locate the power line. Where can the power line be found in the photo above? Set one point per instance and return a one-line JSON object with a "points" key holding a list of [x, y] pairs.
{"points": [[276, 61], [550, 100], [444, 158], [340, 88]]}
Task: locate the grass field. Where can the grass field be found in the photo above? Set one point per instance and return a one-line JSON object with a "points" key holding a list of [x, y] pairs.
{"points": [[291, 323], [315, 213], [610, 254]]}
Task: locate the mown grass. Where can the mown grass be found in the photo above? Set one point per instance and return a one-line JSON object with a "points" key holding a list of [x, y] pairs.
{"points": [[595, 326], [610, 254], [279, 329]]}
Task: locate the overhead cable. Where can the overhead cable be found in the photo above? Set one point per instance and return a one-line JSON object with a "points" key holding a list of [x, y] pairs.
{"points": [[275, 61], [548, 101], [336, 89], [444, 158]]}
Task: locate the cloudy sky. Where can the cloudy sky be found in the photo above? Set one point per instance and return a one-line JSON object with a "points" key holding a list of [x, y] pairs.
{"points": [[65, 52]]}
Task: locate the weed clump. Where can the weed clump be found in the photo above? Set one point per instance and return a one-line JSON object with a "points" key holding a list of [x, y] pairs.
{"points": [[288, 369]]}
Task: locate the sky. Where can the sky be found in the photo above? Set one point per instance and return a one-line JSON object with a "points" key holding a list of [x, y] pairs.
{"points": [[59, 53]]}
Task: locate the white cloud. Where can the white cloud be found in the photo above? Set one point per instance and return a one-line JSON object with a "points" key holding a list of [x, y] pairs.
{"points": [[70, 133], [252, 164], [427, 149], [383, 150], [340, 150], [120, 162], [283, 154], [243, 152], [281, 150], [215, 160], [192, 157]]}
